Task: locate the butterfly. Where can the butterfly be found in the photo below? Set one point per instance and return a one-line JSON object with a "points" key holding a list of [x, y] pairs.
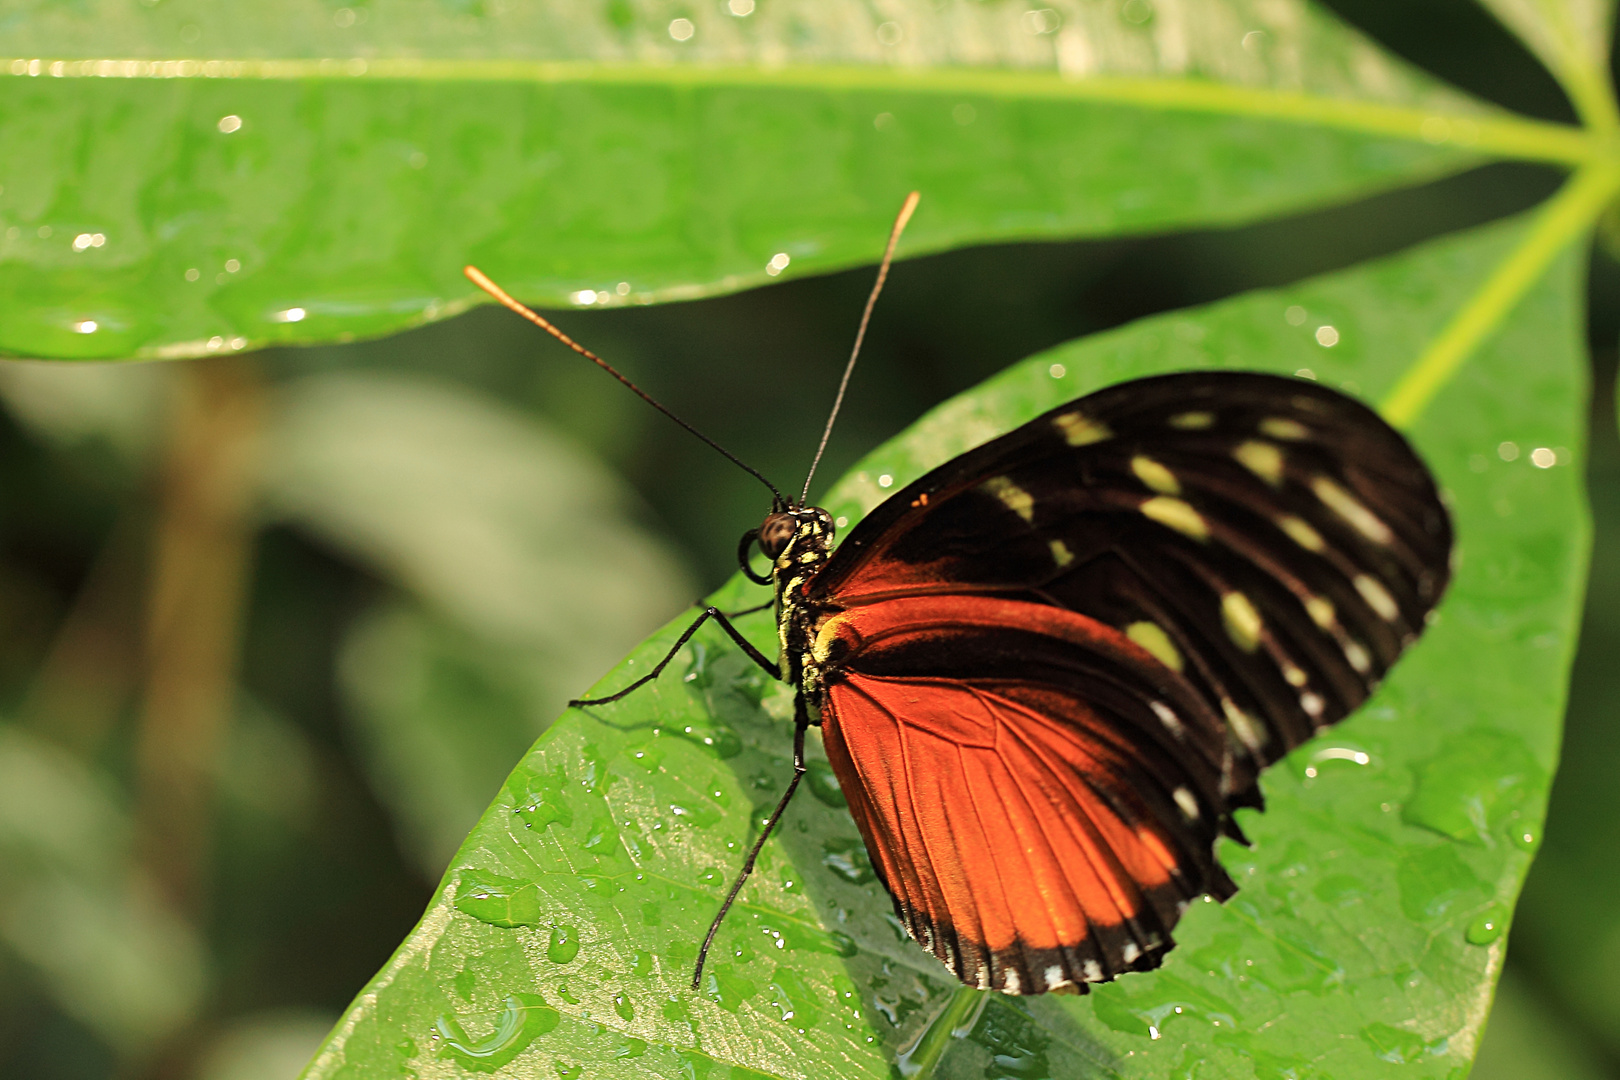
{"points": [[1047, 672]]}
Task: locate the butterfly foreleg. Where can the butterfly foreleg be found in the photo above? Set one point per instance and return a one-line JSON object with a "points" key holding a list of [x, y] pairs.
{"points": [[710, 612], [801, 723]]}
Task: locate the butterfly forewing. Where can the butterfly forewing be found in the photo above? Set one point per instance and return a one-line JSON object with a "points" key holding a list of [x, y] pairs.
{"points": [[1054, 665]]}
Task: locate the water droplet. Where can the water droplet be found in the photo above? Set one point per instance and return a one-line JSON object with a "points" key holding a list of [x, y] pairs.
{"points": [[848, 859], [1471, 790], [1487, 926], [956, 1019], [682, 29], [726, 988], [1057, 371], [523, 1018], [1542, 457], [1327, 336], [564, 945], [641, 964], [622, 1006], [823, 784], [497, 900], [630, 1048], [229, 124]]}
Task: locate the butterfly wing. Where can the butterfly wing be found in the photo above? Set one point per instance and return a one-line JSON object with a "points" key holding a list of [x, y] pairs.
{"points": [[1250, 553]]}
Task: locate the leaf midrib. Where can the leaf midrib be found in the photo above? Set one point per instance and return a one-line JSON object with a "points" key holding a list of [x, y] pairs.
{"points": [[1481, 129]]}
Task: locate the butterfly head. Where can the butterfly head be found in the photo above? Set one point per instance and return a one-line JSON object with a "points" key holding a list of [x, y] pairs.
{"points": [[795, 537]]}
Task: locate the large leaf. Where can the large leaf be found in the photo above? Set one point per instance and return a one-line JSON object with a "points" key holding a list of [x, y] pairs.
{"points": [[1369, 925], [189, 177]]}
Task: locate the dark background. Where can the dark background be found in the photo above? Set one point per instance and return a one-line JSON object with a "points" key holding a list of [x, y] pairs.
{"points": [[299, 922]]}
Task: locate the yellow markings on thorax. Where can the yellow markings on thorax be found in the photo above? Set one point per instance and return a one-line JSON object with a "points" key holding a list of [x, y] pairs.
{"points": [[1151, 636], [1155, 475], [1301, 533], [1078, 429], [1351, 509], [1263, 459], [1178, 515], [1061, 553], [1014, 497], [1193, 421], [1378, 598], [1241, 620], [1280, 427], [1250, 732]]}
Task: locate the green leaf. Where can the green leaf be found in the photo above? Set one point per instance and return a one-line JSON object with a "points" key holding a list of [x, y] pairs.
{"points": [[186, 178], [1369, 926], [1572, 38]]}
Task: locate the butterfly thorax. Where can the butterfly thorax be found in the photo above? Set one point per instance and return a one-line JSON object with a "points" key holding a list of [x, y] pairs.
{"points": [[800, 543]]}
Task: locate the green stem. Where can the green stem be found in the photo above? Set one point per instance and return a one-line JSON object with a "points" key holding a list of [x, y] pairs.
{"points": [[1491, 132], [1563, 218]]}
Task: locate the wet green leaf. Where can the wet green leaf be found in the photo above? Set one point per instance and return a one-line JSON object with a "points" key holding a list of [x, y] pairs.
{"points": [[184, 178], [1347, 950]]}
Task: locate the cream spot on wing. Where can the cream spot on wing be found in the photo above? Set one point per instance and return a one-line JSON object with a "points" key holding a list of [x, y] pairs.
{"points": [[1155, 475], [825, 636], [1151, 636], [1320, 609], [1312, 704], [1177, 515], [1010, 983], [1248, 731], [1348, 507], [1130, 952], [1092, 971], [1054, 977], [1242, 621], [1079, 430], [1279, 427], [1188, 804], [1358, 657], [1372, 590], [1294, 675], [981, 978], [1192, 421], [1169, 719], [1012, 496], [1263, 459], [1301, 533], [1061, 553]]}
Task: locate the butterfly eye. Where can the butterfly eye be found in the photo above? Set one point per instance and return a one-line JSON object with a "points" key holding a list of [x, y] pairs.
{"points": [[775, 533]]}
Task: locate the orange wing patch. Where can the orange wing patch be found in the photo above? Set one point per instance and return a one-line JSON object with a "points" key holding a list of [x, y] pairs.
{"points": [[1019, 831]]}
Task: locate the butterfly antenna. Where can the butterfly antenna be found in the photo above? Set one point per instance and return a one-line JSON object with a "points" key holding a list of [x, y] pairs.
{"points": [[478, 278], [860, 335]]}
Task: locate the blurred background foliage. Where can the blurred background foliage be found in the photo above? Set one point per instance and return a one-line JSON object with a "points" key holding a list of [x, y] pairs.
{"points": [[226, 793]]}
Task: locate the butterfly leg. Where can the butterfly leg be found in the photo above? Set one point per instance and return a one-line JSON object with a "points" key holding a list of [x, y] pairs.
{"points": [[710, 612], [801, 722]]}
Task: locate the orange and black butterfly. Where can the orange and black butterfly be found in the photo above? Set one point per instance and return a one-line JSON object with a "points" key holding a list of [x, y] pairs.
{"points": [[1047, 672]]}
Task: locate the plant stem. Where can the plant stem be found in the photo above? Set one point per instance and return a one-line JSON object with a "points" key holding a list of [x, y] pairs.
{"points": [[1562, 219], [199, 570]]}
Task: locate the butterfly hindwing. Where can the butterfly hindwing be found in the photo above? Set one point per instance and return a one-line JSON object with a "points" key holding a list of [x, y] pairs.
{"points": [[1146, 596]]}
